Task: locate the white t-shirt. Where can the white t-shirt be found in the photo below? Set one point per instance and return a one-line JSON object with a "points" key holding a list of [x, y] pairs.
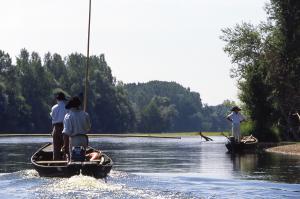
{"points": [[58, 112], [76, 122], [236, 117]]}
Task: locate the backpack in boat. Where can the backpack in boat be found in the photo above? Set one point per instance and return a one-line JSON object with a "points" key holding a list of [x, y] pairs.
{"points": [[78, 154]]}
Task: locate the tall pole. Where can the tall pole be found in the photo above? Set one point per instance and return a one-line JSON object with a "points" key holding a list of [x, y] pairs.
{"points": [[87, 61]]}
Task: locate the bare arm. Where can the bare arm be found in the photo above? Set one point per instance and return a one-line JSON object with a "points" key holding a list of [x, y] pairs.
{"points": [[229, 117]]}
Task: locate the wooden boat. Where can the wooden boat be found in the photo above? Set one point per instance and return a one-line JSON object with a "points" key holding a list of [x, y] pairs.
{"points": [[247, 144], [46, 167]]}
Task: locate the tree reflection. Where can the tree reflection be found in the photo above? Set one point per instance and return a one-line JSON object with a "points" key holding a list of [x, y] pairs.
{"points": [[267, 166]]}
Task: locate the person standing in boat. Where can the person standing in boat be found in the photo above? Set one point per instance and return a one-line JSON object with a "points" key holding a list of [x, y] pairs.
{"points": [[76, 125], [58, 112], [236, 118]]}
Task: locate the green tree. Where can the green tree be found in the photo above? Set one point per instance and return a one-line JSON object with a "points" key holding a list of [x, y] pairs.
{"points": [[266, 59], [14, 111], [284, 73], [157, 115], [36, 89]]}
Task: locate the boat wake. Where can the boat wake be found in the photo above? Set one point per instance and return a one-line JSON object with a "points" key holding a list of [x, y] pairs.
{"points": [[27, 174], [23, 174], [118, 185], [82, 183]]}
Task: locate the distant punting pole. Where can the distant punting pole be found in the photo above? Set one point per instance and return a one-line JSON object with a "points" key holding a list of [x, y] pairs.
{"points": [[87, 61], [95, 135]]}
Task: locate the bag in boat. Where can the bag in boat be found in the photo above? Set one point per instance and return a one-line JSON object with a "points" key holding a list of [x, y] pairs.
{"points": [[78, 154]]}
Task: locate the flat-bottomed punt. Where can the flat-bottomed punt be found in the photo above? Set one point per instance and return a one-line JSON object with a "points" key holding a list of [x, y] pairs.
{"points": [[46, 167], [247, 144]]}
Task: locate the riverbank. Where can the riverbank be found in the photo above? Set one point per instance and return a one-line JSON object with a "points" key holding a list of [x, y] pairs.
{"points": [[290, 149]]}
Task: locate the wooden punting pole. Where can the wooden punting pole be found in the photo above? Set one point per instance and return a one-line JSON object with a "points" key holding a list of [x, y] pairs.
{"points": [[87, 61]]}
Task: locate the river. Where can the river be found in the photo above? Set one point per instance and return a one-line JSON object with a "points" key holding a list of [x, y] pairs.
{"points": [[154, 168]]}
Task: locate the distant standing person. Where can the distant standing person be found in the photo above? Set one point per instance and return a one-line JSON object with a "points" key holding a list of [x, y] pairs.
{"points": [[57, 114], [76, 125], [235, 117]]}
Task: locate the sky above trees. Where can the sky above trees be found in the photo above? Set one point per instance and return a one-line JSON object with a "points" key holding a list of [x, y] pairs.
{"points": [[143, 40]]}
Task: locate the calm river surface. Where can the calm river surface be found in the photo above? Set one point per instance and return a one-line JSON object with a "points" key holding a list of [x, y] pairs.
{"points": [[155, 168]]}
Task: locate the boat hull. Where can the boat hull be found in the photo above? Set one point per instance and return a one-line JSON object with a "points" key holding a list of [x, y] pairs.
{"points": [[236, 147], [240, 147], [43, 164]]}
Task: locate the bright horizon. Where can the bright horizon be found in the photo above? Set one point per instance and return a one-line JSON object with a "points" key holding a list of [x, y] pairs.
{"points": [[143, 40]]}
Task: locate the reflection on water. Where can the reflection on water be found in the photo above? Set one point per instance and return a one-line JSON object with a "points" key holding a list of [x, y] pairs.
{"points": [[267, 166], [155, 168], [15, 157]]}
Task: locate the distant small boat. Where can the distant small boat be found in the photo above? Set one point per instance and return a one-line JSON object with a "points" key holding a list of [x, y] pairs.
{"points": [[46, 167], [247, 144]]}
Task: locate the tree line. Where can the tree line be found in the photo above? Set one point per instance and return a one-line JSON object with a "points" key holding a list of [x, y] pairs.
{"points": [[266, 60], [27, 91], [173, 108]]}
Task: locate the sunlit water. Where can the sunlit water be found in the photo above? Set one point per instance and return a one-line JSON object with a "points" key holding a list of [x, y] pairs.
{"points": [[155, 168]]}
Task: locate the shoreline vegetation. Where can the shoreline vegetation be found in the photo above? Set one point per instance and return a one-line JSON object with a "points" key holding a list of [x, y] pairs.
{"points": [[27, 91], [265, 60]]}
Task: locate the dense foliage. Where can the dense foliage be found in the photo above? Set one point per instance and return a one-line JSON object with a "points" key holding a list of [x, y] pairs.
{"points": [[27, 88], [167, 106], [267, 65]]}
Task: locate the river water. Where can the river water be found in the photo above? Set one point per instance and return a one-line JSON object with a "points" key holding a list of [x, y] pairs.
{"points": [[155, 168]]}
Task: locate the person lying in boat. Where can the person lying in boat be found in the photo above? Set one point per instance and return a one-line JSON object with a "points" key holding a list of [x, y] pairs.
{"points": [[93, 156], [76, 125], [58, 112], [236, 118], [248, 139]]}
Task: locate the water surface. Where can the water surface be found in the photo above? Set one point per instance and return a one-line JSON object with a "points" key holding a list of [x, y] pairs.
{"points": [[155, 168]]}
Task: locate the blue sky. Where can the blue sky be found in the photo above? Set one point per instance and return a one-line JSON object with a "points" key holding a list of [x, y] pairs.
{"points": [[143, 40]]}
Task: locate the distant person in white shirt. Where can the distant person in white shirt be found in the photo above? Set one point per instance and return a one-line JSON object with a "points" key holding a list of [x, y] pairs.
{"points": [[76, 125], [236, 118], [57, 114]]}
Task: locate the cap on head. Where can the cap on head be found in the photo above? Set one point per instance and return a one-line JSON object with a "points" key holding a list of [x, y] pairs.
{"points": [[60, 96], [73, 103]]}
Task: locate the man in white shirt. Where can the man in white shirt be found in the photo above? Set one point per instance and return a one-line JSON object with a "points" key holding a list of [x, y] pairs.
{"points": [[57, 114], [236, 118], [76, 125]]}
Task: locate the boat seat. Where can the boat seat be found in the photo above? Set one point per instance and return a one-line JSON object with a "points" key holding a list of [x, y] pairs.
{"points": [[84, 163], [65, 162], [48, 148], [51, 162]]}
